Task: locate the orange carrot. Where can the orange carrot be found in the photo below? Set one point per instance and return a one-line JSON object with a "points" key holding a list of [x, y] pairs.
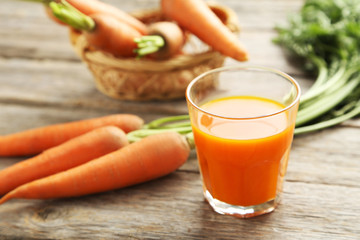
{"points": [[102, 31], [112, 36], [72, 153], [90, 7], [197, 17], [34, 141], [149, 158], [165, 40]]}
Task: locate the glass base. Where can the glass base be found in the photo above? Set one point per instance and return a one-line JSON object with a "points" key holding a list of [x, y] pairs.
{"points": [[239, 211]]}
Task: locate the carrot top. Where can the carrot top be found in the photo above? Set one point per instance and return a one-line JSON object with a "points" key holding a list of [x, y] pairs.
{"points": [[71, 16], [149, 44], [179, 124]]}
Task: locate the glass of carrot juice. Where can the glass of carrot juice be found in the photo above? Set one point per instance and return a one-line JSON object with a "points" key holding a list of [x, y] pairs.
{"points": [[243, 118]]}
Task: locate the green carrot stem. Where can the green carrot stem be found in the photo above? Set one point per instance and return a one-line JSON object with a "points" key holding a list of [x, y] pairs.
{"points": [[326, 103], [347, 108], [322, 74], [161, 122], [317, 91], [341, 82], [176, 125], [166, 124], [335, 86], [329, 123], [149, 44], [141, 133], [71, 16]]}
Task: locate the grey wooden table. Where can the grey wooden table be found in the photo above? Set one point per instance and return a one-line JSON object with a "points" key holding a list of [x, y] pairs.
{"points": [[43, 82]]}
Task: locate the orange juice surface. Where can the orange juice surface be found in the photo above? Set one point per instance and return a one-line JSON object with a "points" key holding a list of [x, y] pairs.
{"points": [[242, 160]]}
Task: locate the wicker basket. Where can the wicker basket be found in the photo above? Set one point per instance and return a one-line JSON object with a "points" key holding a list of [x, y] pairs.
{"points": [[145, 79]]}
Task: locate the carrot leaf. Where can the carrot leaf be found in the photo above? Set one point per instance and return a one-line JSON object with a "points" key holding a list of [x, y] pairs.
{"points": [[325, 35]]}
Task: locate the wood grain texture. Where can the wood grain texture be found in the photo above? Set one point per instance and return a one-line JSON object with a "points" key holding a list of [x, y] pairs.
{"points": [[43, 82]]}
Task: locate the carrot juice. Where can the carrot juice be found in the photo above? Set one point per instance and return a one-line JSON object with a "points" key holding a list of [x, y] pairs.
{"points": [[243, 119], [242, 156]]}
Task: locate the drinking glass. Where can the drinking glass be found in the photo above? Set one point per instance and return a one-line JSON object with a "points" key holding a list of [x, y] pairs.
{"points": [[243, 118]]}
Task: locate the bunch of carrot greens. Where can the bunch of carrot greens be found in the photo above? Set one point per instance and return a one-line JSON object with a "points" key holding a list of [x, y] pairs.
{"points": [[325, 35]]}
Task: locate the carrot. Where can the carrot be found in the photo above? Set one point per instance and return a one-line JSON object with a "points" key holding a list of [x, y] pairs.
{"points": [[74, 152], [197, 17], [90, 7], [165, 40], [34, 141], [101, 30], [112, 36], [149, 158]]}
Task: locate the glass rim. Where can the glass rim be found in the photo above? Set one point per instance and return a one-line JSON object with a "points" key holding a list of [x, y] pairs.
{"points": [[249, 67]]}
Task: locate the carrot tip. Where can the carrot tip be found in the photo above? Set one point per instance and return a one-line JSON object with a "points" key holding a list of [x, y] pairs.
{"points": [[5, 198], [243, 57]]}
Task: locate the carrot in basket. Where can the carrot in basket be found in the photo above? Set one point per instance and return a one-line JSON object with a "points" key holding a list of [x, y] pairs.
{"points": [[90, 7], [112, 36], [197, 17], [149, 158], [165, 40], [72, 153], [34, 141], [101, 30]]}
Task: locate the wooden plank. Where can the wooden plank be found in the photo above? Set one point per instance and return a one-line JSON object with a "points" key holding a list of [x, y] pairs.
{"points": [[328, 157], [67, 85], [173, 207], [71, 84]]}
